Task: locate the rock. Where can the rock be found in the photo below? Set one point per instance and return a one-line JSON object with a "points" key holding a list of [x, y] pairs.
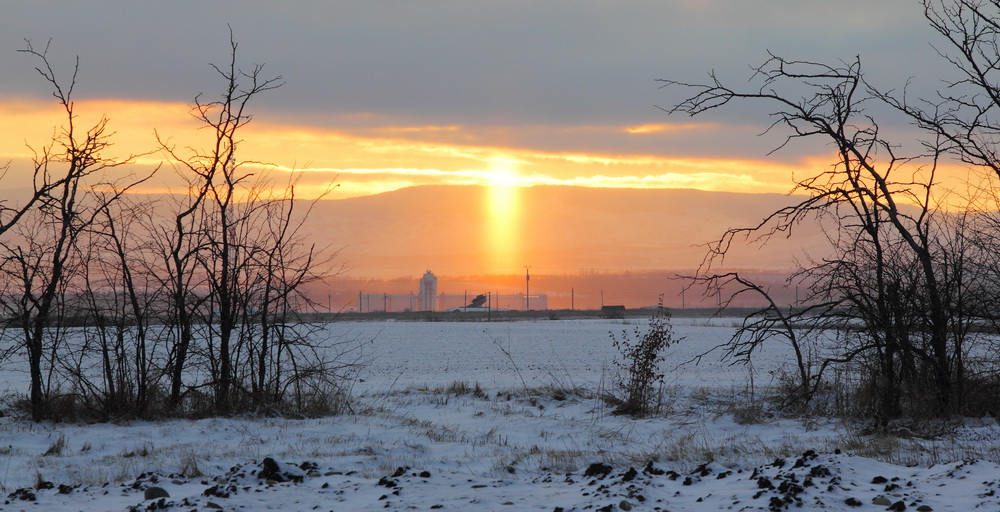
{"points": [[881, 501], [652, 470], [213, 505], [925, 508], [625, 505], [597, 469], [630, 475], [152, 493], [272, 472]]}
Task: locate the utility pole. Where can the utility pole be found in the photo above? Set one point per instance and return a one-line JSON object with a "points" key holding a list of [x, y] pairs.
{"points": [[527, 288]]}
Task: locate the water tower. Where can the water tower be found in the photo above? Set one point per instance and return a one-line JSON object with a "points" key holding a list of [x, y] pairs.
{"points": [[428, 292]]}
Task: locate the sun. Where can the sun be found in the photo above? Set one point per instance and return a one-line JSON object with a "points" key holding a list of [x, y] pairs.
{"points": [[502, 213]]}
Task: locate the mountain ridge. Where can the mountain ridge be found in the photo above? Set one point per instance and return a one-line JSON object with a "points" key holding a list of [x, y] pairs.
{"points": [[559, 228]]}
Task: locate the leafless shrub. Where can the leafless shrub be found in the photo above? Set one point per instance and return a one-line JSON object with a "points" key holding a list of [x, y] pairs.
{"points": [[642, 355], [57, 447]]}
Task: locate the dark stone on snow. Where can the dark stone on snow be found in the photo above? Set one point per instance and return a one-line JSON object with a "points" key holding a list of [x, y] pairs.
{"points": [[154, 493], [881, 501], [216, 491], [777, 503], [702, 470], [819, 472], [650, 470], [271, 471], [23, 494], [597, 469], [630, 475]]}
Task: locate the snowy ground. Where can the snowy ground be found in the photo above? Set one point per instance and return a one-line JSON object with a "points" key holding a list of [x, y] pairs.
{"points": [[528, 441]]}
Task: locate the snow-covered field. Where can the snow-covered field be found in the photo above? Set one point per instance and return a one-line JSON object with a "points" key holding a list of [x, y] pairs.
{"points": [[536, 437]]}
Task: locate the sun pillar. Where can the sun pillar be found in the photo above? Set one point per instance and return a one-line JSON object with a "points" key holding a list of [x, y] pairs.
{"points": [[502, 241]]}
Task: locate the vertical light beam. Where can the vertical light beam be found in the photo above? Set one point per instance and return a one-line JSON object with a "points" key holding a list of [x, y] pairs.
{"points": [[502, 234]]}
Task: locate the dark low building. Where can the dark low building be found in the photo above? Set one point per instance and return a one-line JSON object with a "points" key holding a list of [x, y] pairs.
{"points": [[613, 311]]}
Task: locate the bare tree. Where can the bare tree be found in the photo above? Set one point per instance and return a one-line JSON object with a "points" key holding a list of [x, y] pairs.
{"points": [[286, 356], [120, 297], [226, 265], [765, 324], [38, 258], [886, 257], [202, 237], [244, 253]]}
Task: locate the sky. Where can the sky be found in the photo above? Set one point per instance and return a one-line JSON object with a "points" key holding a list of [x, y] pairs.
{"points": [[379, 96], [383, 95]]}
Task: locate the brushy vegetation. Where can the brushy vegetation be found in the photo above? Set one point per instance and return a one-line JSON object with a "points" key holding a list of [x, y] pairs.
{"points": [[127, 306], [641, 364], [906, 284]]}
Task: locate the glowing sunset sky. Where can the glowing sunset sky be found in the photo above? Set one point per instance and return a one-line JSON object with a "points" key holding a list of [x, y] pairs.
{"points": [[384, 95]]}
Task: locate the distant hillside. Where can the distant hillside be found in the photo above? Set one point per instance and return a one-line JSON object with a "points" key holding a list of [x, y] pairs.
{"points": [[562, 229]]}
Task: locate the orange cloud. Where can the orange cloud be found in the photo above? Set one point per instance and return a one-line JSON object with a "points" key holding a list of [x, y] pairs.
{"points": [[387, 157], [644, 129]]}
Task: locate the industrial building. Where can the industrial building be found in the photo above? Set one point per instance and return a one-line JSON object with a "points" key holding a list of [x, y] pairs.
{"points": [[429, 299]]}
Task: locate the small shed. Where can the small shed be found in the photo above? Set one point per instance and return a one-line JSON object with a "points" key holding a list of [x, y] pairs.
{"points": [[613, 311]]}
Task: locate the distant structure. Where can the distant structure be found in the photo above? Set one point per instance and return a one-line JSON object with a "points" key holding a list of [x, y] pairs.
{"points": [[613, 311], [506, 301], [478, 302], [430, 300], [428, 292]]}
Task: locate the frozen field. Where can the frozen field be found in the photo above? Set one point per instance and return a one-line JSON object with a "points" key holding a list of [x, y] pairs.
{"points": [[541, 353], [418, 441]]}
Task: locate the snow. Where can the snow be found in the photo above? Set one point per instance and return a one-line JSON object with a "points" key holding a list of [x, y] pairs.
{"points": [[537, 437]]}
